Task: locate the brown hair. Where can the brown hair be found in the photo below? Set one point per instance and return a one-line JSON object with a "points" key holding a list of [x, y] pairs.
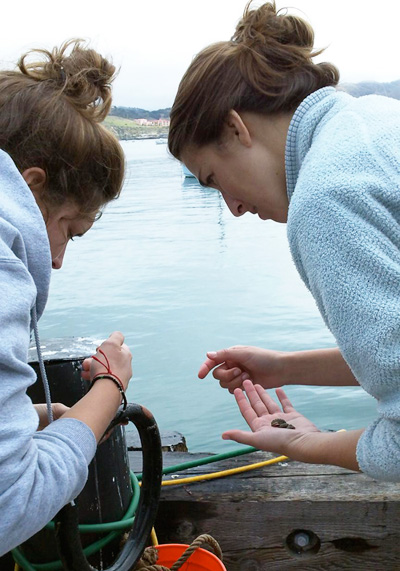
{"points": [[50, 114], [265, 68]]}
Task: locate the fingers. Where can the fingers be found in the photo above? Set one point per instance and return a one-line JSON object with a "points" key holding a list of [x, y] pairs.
{"points": [[259, 399], [116, 338], [206, 367], [59, 409], [228, 373], [254, 402], [245, 407], [214, 358], [257, 404], [230, 378], [86, 368], [263, 403], [284, 400], [114, 341], [269, 403]]}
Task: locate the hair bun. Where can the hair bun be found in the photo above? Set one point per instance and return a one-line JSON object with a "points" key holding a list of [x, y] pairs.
{"points": [[81, 74], [265, 26]]}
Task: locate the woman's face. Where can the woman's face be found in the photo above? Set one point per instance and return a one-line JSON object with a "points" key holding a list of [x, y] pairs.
{"points": [[247, 169], [63, 224]]}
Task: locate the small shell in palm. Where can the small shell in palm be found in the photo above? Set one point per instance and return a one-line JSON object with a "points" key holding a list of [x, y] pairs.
{"points": [[280, 423]]}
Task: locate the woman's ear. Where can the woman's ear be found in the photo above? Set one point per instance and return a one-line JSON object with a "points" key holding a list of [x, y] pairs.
{"points": [[236, 128], [35, 178]]}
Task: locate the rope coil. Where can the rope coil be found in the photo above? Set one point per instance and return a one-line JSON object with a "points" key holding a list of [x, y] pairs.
{"points": [[148, 562]]}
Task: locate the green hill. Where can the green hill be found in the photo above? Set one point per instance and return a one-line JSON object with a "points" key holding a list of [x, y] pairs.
{"points": [[126, 129], [137, 113]]}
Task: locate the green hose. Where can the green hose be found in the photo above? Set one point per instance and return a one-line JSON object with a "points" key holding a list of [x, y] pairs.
{"points": [[125, 523], [206, 460]]}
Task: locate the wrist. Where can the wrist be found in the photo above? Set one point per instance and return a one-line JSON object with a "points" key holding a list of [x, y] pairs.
{"points": [[332, 448], [98, 407], [285, 367], [303, 367], [116, 381], [310, 448]]}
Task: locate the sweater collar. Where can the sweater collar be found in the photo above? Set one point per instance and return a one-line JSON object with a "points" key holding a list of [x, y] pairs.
{"points": [[301, 131]]}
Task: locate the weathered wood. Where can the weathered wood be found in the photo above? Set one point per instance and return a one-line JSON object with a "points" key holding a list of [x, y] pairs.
{"points": [[171, 441], [261, 517]]}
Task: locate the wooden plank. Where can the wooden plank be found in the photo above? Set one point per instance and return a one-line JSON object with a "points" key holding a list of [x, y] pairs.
{"points": [[349, 520], [171, 441]]}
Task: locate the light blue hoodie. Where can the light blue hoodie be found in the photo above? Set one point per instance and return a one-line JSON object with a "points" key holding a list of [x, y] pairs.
{"points": [[39, 471], [343, 180]]}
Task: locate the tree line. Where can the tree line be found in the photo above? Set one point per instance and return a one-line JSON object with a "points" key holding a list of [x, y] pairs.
{"points": [[137, 113]]}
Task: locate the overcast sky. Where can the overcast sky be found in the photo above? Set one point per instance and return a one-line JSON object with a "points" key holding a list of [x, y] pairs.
{"points": [[153, 41]]}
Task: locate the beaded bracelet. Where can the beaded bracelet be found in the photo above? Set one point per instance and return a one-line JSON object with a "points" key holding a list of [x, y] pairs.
{"points": [[117, 382]]}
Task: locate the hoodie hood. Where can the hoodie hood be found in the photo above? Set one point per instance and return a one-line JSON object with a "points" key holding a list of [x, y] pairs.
{"points": [[26, 233]]}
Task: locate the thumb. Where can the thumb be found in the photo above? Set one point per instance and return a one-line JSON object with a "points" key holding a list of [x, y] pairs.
{"points": [[239, 436]]}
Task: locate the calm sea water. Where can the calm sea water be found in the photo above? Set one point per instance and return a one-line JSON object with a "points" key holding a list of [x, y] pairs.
{"points": [[171, 268]]}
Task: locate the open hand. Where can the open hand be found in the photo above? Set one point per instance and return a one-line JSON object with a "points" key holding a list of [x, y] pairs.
{"points": [[259, 410]]}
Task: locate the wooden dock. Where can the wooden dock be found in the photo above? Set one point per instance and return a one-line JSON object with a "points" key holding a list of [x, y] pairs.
{"points": [[281, 517], [284, 516]]}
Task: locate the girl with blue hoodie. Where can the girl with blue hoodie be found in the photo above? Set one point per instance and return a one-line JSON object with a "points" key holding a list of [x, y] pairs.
{"points": [[259, 121], [58, 168]]}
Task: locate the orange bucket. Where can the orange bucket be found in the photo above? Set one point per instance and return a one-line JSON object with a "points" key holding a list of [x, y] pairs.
{"points": [[200, 560]]}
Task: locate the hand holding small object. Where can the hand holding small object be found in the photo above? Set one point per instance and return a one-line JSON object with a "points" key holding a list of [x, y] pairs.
{"points": [[264, 415]]}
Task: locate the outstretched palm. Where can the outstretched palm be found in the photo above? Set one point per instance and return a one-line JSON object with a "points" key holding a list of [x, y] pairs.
{"points": [[259, 410]]}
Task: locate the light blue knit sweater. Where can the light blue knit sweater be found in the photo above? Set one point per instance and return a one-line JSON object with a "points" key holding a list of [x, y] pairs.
{"points": [[39, 471], [343, 177]]}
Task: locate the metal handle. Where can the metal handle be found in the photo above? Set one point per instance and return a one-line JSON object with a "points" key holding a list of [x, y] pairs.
{"points": [[66, 522]]}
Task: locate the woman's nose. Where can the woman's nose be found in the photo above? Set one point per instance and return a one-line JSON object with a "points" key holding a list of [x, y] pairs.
{"points": [[58, 261], [235, 206]]}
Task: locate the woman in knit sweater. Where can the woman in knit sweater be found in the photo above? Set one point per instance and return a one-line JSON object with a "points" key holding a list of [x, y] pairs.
{"points": [[259, 121]]}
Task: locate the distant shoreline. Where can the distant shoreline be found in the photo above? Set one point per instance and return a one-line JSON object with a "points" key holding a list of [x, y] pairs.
{"points": [[128, 130], [141, 138]]}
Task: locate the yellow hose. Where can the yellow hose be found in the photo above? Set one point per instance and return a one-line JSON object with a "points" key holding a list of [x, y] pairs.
{"points": [[223, 473], [154, 540]]}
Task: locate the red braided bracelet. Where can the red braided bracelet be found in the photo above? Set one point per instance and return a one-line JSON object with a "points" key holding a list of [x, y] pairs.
{"points": [[109, 375], [106, 365], [117, 382]]}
